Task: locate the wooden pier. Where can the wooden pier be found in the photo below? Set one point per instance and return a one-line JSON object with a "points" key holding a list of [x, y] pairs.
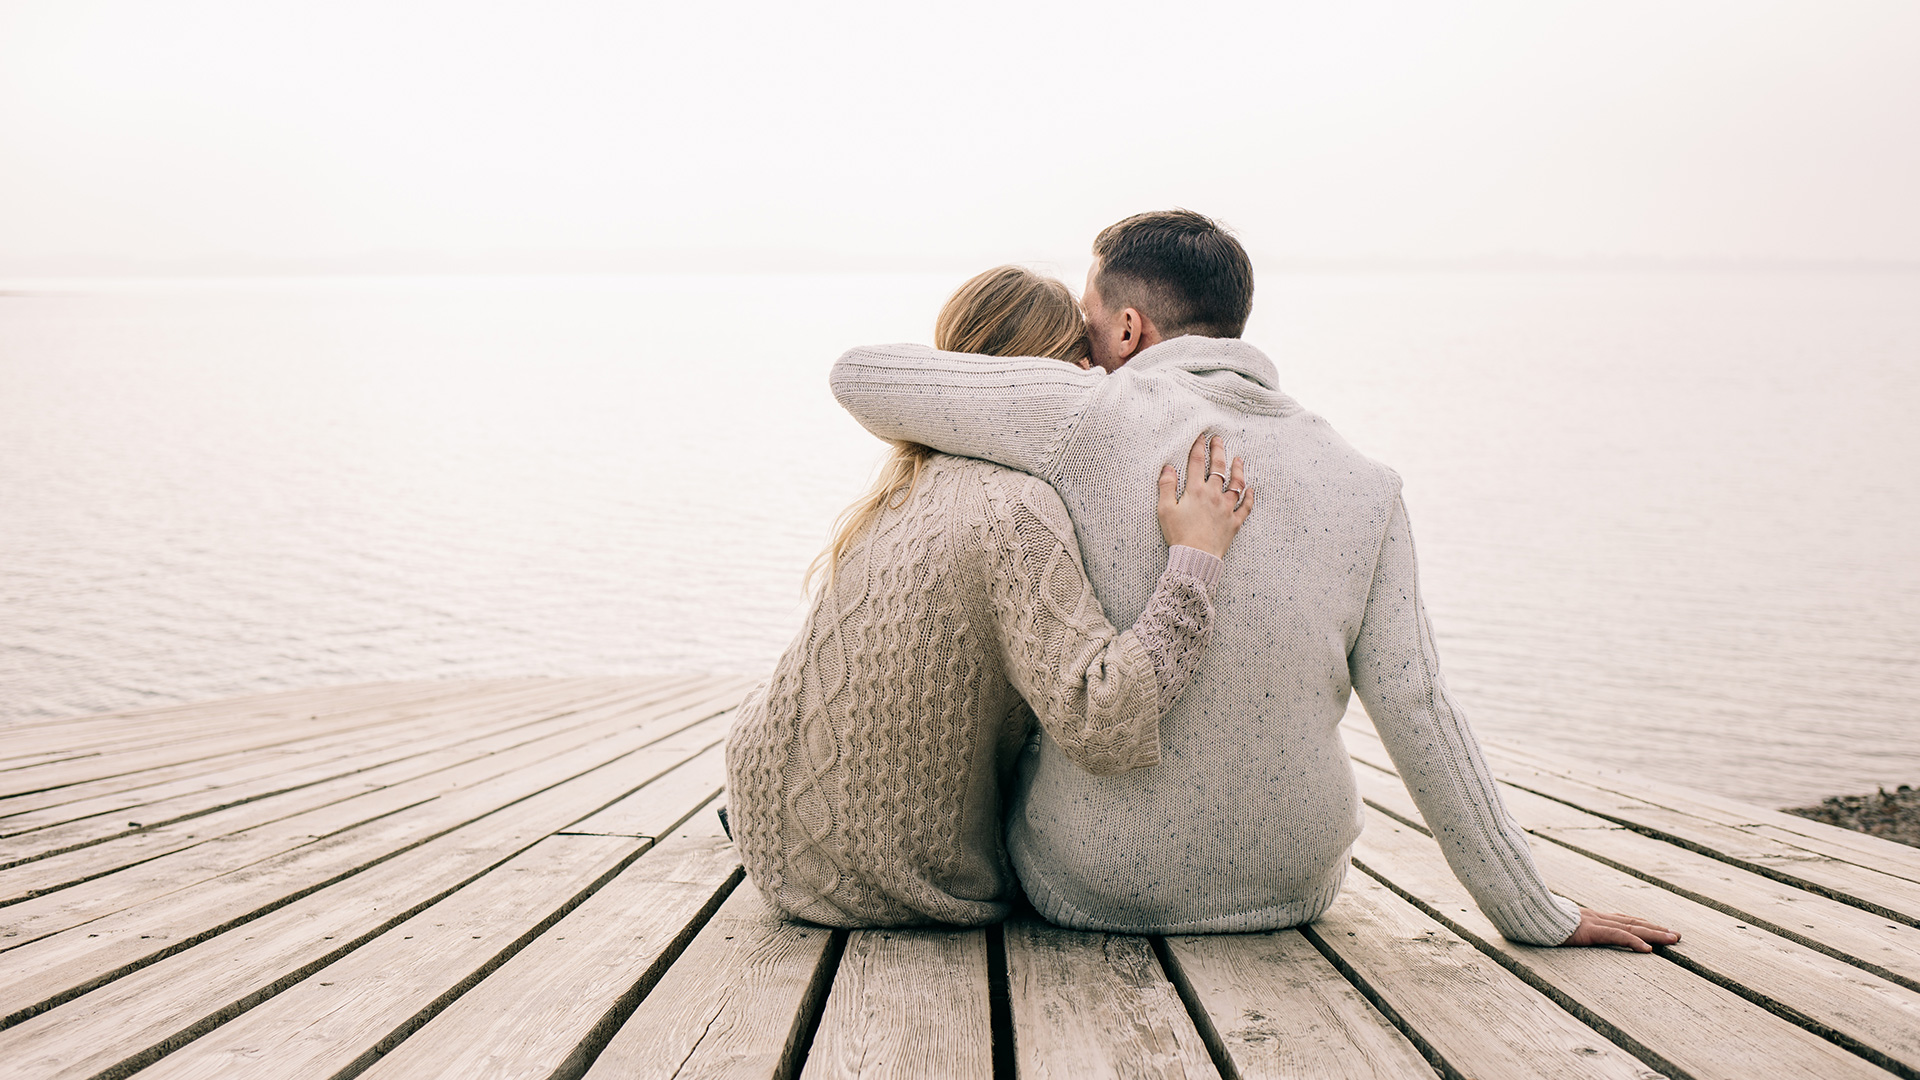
{"points": [[526, 878]]}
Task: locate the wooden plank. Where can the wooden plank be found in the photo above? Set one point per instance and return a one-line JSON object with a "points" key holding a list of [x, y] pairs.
{"points": [[343, 1016], [1466, 1013], [1674, 1018], [141, 750], [154, 714], [150, 785], [423, 717], [735, 1005], [103, 729], [139, 756], [1841, 878], [252, 735], [1282, 1011], [548, 1010], [1887, 856], [25, 758], [1877, 1018], [1096, 1005], [907, 1004], [22, 754], [333, 1014], [137, 863], [51, 970], [387, 756], [108, 751], [401, 813], [159, 713], [695, 782], [119, 794], [1849, 931], [1595, 786], [240, 967], [430, 718], [260, 777], [1886, 948]]}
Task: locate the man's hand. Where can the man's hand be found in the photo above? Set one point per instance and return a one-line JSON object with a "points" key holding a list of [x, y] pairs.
{"points": [[1599, 929]]}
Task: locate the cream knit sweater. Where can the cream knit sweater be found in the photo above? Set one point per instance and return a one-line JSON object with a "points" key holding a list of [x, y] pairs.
{"points": [[865, 779], [1247, 821]]}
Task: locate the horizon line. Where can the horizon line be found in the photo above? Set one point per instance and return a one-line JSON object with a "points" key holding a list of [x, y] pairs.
{"points": [[581, 265]]}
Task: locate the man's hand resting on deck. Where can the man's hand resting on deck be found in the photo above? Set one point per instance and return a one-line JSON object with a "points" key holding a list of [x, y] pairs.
{"points": [[1600, 929]]}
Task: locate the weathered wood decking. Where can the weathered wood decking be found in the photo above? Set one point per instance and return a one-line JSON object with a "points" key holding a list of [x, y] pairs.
{"points": [[525, 878]]}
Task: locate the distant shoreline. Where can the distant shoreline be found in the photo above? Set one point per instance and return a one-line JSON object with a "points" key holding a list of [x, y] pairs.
{"points": [[535, 265], [1891, 815]]}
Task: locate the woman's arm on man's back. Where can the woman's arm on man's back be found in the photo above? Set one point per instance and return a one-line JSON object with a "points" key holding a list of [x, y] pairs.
{"points": [[1017, 411]]}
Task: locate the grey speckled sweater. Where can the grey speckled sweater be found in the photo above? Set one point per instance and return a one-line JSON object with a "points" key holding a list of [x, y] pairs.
{"points": [[1248, 820]]}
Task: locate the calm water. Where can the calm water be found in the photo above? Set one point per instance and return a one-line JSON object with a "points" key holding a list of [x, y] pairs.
{"points": [[1666, 521]]}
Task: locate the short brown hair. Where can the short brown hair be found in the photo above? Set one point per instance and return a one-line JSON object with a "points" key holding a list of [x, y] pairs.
{"points": [[1182, 270]]}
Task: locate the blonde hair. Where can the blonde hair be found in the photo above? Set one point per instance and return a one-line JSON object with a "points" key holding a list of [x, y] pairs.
{"points": [[1007, 311]]}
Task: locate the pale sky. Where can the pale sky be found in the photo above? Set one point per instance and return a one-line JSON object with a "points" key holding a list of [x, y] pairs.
{"points": [[239, 134]]}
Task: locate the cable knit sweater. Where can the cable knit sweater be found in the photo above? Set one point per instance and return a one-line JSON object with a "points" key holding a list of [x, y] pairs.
{"points": [[1248, 820], [865, 779]]}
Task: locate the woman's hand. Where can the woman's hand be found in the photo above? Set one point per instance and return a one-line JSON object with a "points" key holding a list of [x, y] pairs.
{"points": [[1215, 503], [1598, 928]]}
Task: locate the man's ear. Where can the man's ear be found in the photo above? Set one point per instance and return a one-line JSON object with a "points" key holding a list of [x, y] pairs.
{"points": [[1136, 332]]}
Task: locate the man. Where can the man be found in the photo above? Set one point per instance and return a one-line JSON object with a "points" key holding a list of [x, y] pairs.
{"points": [[1247, 822]]}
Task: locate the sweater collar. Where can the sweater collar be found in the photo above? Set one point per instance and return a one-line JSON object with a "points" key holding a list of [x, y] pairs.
{"points": [[1192, 352]]}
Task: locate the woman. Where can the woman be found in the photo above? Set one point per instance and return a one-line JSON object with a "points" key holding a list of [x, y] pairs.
{"points": [[865, 779]]}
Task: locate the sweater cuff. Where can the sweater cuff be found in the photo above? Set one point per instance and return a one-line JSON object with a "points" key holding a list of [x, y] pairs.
{"points": [[1531, 923], [1195, 563]]}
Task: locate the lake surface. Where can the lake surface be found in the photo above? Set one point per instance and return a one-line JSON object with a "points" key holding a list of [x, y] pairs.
{"points": [[1666, 521]]}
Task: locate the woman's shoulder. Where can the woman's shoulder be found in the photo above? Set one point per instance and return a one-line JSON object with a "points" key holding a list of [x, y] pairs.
{"points": [[966, 468], [992, 477], [1009, 496]]}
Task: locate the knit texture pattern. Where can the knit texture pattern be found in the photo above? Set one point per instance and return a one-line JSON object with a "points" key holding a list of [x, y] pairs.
{"points": [[1248, 821], [865, 778]]}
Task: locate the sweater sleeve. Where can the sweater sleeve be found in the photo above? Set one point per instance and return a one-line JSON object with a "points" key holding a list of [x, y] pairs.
{"points": [[1097, 691], [1396, 671], [1178, 619], [1013, 411]]}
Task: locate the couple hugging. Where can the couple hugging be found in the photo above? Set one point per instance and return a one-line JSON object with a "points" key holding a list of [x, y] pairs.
{"points": [[962, 715]]}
